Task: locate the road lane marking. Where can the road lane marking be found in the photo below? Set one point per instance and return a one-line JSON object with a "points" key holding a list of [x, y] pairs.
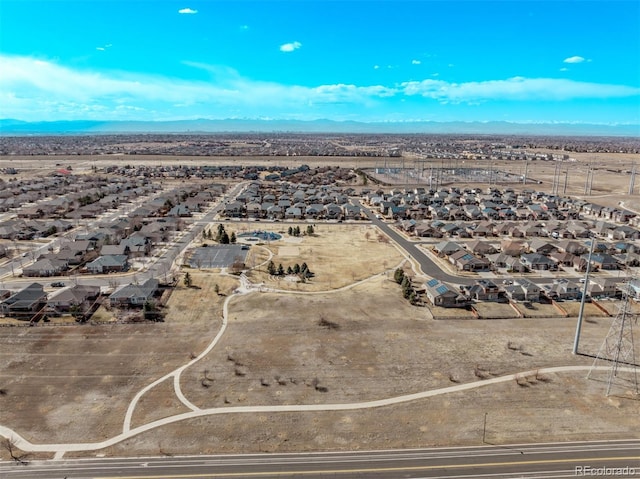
{"points": [[378, 470]]}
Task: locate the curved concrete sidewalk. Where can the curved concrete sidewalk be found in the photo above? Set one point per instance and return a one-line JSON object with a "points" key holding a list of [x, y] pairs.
{"points": [[28, 446]]}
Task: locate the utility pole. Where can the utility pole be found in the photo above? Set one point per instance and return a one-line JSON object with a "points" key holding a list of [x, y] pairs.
{"points": [[576, 341]]}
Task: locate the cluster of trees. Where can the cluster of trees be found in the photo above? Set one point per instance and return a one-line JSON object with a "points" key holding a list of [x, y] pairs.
{"points": [[405, 283], [301, 270], [221, 235], [295, 230]]}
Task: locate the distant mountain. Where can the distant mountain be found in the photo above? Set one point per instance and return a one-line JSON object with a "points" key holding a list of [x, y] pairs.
{"points": [[17, 127]]}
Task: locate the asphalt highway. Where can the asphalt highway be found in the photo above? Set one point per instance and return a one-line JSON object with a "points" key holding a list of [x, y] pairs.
{"points": [[613, 459]]}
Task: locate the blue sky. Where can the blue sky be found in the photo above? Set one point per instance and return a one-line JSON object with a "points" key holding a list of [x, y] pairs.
{"points": [[385, 60]]}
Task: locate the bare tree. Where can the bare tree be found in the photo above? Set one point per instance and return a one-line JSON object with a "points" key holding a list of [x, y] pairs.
{"points": [[9, 445]]}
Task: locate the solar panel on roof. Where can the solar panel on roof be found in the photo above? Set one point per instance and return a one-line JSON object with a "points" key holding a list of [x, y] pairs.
{"points": [[432, 282], [442, 289]]}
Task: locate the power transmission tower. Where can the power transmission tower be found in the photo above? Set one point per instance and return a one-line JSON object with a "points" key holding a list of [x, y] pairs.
{"points": [[618, 350]]}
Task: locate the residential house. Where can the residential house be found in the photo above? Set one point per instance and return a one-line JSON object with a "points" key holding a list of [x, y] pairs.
{"points": [[604, 261], [25, 303], [562, 258], [523, 290], [480, 247], [536, 261], [465, 261], [483, 290], [46, 267], [134, 295], [446, 248], [108, 264], [603, 287], [563, 289], [541, 246], [441, 294], [76, 296]]}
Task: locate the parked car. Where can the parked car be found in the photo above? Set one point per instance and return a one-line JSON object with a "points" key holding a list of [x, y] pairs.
{"points": [[57, 284]]}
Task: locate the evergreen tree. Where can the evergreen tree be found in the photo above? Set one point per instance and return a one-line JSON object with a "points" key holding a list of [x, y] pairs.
{"points": [[290, 231], [280, 270], [310, 230], [296, 268], [289, 270], [224, 239], [220, 232], [271, 268], [187, 280], [398, 275], [406, 287], [232, 238]]}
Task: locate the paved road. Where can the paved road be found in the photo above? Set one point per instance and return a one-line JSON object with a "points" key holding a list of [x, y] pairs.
{"points": [[427, 266], [534, 460]]}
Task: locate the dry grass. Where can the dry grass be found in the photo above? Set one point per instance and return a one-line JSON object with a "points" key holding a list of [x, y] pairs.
{"points": [[590, 310], [338, 255], [489, 310], [439, 312], [538, 310], [158, 403]]}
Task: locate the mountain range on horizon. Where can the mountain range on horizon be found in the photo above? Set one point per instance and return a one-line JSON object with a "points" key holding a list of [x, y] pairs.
{"points": [[11, 127]]}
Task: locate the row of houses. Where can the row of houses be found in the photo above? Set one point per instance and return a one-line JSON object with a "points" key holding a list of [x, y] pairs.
{"points": [[452, 204], [33, 300], [442, 294], [536, 255], [285, 200]]}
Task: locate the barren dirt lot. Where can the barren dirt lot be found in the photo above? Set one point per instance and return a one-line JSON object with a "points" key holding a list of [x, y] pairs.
{"points": [[53, 376], [279, 351]]}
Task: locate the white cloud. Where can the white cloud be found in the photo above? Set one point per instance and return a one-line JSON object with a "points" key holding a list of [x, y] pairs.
{"points": [[100, 49], [244, 27], [289, 47], [416, 62], [34, 89], [376, 67], [517, 88], [574, 59], [187, 11], [564, 69]]}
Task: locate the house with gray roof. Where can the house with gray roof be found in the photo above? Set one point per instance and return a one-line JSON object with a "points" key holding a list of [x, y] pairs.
{"points": [[25, 303], [134, 295], [110, 263], [441, 294], [46, 267], [75, 296]]}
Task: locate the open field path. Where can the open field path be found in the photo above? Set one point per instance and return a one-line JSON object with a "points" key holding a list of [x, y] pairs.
{"points": [[27, 446]]}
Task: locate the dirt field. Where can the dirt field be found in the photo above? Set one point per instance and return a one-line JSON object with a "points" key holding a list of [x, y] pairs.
{"points": [[541, 411], [338, 255]]}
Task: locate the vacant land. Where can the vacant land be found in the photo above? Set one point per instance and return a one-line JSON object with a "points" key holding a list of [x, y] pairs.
{"points": [[293, 348], [54, 375], [338, 255]]}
